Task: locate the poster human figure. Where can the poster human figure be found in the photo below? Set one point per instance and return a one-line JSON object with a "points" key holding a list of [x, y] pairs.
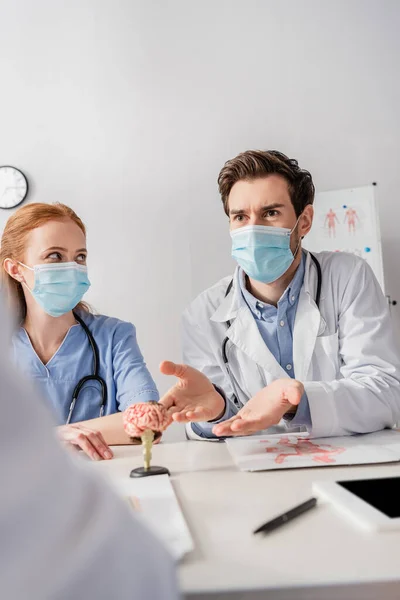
{"points": [[351, 217], [331, 219]]}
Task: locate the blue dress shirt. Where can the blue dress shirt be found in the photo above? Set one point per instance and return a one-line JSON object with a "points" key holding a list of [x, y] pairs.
{"points": [[121, 366], [276, 323]]}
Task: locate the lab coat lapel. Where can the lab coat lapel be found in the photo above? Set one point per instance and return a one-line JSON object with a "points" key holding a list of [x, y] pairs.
{"points": [[245, 335], [309, 323], [306, 327]]}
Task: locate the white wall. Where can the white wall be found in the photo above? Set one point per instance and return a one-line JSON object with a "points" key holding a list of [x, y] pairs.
{"points": [[126, 110]]}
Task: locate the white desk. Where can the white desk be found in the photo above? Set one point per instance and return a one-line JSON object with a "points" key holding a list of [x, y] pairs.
{"points": [[318, 556]]}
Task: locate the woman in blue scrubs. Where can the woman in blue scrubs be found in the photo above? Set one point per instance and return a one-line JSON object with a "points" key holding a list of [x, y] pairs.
{"points": [[43, 253]]}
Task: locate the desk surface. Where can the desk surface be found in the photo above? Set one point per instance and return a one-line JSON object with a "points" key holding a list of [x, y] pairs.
{"points": [[300, 560]]}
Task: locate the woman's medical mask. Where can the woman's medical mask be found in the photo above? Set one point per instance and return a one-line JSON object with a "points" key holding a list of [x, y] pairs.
{"points": [[262, 251], [58, 287]]}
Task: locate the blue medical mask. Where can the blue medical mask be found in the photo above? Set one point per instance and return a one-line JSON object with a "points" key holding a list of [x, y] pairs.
{"points": [[262, 251], [58, 287]]}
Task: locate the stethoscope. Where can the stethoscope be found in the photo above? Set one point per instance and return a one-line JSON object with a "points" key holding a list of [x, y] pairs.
{"points": [[228, 323], [94, 377]]}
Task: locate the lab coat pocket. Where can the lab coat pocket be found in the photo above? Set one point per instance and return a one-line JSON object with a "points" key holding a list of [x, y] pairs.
{"points": [[326, 357]]}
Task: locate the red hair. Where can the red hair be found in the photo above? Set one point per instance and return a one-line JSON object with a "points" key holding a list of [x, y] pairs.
{"points": [[14, 239]]}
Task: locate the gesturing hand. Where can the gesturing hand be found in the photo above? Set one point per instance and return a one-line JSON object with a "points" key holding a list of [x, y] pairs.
{"points": [[193, 397], [264, 410]]}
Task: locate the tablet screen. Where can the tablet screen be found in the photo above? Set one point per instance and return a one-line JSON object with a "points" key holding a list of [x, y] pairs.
{"points": [[382, 494]]}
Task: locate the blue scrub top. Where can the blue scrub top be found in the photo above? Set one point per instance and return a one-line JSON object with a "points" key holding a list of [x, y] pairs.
{"points": [[121, 366]]}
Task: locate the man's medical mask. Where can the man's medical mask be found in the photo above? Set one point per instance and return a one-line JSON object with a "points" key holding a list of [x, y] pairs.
{"points": [[262, 251]]}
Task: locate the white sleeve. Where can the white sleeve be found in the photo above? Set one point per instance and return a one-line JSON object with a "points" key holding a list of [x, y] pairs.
{"points": [[198, 354], [63, 533], [368, 397]]}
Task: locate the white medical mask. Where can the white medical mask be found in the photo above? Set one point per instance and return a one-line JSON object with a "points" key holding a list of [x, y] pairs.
{"points": [[263, 251], [58, 287]]}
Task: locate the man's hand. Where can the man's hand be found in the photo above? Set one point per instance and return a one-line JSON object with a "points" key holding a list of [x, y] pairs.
{"points": [[264, 410], [91, 442], [193, 397]]}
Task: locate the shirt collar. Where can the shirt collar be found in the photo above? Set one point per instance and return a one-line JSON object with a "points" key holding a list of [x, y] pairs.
{"points": [[291, 293]]}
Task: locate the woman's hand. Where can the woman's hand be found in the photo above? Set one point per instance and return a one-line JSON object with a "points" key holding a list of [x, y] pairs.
{"points": [[90, 441]]}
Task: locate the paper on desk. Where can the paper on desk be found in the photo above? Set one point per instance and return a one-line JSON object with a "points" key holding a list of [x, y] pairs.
{"points": [[154, 499], [288, 451]]}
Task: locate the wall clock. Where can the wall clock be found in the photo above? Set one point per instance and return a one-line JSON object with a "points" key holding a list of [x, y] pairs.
{"points": [[13, 187]]}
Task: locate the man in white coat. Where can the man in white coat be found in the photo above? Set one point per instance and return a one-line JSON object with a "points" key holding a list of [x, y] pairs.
{"points": [[292, 340], [63, 533]]}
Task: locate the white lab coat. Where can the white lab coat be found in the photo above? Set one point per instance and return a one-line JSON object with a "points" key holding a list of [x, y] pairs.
{"points": [[63, 532], [345, 354]]}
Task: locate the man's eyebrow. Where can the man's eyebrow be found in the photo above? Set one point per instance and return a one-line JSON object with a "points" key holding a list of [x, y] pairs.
{"points": [[241, 211]]}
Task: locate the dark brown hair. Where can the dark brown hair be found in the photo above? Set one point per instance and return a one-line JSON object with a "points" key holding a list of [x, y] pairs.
{"points": [[255, 164]]}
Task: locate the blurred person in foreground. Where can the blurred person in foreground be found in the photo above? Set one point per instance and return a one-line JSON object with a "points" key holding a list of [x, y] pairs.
{"points": [[63, 533]]}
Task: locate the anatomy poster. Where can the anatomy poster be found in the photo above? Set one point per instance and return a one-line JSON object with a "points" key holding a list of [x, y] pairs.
{"points": [[348, 221], [290, 451]]}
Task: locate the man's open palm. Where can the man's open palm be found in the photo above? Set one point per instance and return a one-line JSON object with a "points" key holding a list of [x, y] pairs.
{"points": [[193, 397]]}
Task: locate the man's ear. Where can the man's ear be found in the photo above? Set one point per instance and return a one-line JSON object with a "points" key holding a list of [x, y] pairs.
{"points": [[306, 220], [12, 268]]}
